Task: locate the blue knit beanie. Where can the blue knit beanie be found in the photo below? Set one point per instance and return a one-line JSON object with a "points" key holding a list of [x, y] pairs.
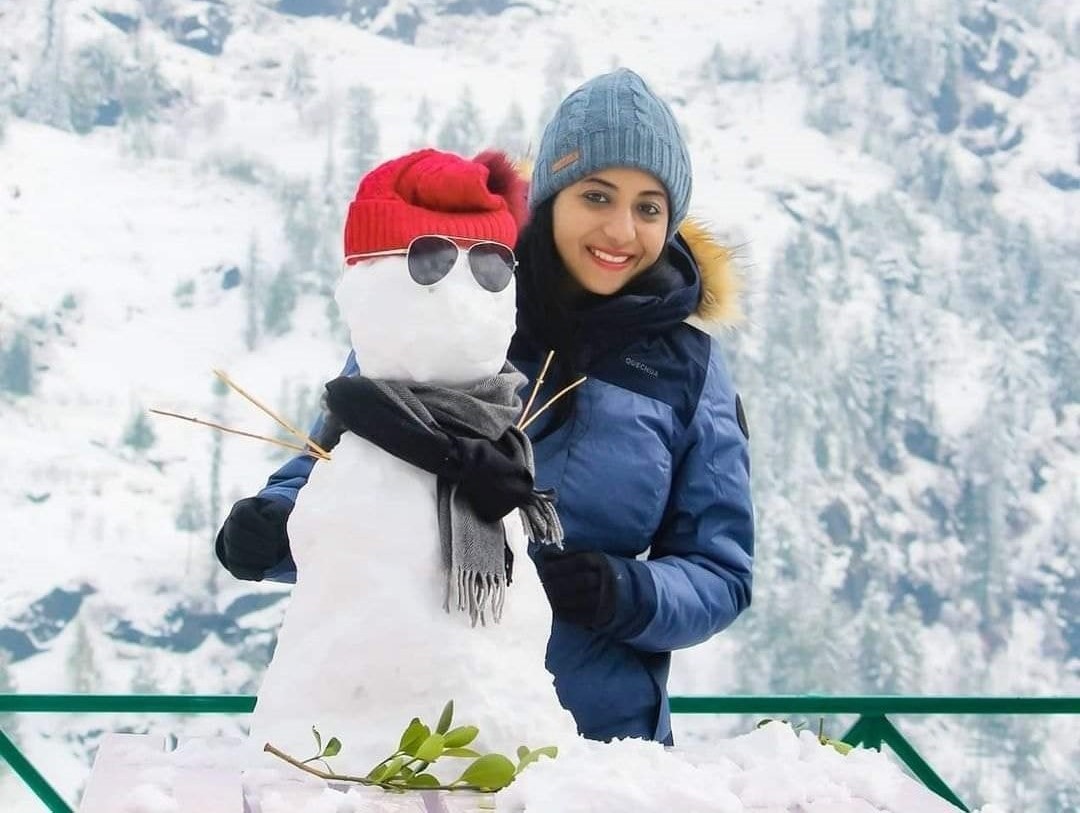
{"points": [[613, 120]]}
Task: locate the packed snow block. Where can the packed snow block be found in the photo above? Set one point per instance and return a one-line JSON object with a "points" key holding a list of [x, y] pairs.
{"points": [[133, 773]]}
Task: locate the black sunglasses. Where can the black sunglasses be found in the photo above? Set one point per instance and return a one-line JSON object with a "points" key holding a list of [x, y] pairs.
{"points": [[431, 256]]}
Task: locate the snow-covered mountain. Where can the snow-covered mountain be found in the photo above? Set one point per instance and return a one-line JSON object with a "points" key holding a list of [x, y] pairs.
{"points": [[902, 181]]}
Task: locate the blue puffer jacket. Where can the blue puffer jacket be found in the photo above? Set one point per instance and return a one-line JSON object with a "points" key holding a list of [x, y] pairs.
{"points": [[653, 470]]}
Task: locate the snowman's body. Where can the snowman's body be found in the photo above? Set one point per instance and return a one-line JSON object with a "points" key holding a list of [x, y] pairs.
{"points": [[367, 642]]}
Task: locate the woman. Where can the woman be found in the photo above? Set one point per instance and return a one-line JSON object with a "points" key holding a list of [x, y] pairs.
{"points": [[648, 455]]}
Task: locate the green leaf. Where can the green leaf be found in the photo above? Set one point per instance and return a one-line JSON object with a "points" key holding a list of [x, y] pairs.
{"points": [[461, 752], [839, 745], [413, 736], [491, 772], [550, 751], [392, 768], [534, 756], [522, 751], [445, 718], [460, 736], [423, 780], [431, 748], [318, 738], [378, 772], [333, 748]]}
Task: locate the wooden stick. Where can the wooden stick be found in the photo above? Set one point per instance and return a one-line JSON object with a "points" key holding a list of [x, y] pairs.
{"points": [[555, 398], [201, 422], [536, 388], [288, 427]]}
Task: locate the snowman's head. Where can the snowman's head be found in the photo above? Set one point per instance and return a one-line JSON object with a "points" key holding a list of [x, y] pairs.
{"points": [[427, 288]]}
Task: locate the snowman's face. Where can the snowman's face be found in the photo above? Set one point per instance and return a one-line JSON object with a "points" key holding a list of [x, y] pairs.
{"points": [[452, 332]]}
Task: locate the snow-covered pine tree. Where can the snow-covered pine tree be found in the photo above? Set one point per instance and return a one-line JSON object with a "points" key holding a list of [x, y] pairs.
{"points": [[252, 294], [424, 119], [299, 79], [83, 672], [9, 723], [139, 434], [280, 302], [510, 133], [462, 131], [191, 515], [361, 132], [17, 374]]}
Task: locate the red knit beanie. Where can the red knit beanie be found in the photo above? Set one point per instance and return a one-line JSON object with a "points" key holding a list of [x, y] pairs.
{"points": [[433, 192]]}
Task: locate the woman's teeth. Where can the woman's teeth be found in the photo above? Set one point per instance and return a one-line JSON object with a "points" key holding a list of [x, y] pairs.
{"points": [[617, 259]]}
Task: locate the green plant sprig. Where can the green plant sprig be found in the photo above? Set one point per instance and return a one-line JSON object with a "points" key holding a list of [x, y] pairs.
{"points": [[839, 745], [418, 748]]}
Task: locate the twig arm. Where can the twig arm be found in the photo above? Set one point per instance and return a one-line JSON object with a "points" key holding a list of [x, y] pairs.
{"points": [[212, 425], [288, 427]]}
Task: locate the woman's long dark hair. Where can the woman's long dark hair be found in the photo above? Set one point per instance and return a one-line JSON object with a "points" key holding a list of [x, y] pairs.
{"points": [[545, 316]]}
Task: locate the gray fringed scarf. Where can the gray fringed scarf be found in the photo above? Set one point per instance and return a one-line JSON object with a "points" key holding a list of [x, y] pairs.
{"points": [[473, 550]]}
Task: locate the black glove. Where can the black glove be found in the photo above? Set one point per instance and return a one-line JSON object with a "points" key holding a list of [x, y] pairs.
{"points": [[580, 587], [253, 538], [492, 478]]}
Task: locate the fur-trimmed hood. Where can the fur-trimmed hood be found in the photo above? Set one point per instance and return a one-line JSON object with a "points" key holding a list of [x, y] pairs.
{"points": [[720, 283]]}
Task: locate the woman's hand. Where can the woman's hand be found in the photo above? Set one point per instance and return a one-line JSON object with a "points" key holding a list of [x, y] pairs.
{"points": [[580, 587], [253, 538]]}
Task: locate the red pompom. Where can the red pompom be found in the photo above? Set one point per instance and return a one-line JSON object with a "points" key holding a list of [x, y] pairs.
{"points": [[505, 181]]}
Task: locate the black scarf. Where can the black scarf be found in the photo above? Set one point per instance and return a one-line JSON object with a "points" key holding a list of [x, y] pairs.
{"points": [[427, 425]]}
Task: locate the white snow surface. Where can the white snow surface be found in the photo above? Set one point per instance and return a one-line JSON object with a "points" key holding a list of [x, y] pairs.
{"points": [[770, 770]]}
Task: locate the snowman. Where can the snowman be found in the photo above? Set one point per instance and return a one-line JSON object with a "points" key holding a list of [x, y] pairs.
{"points": [[412, 589]]}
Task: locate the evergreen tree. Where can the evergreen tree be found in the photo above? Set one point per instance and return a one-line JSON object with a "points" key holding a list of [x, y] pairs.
{"points": [[300, 79], [461, 131], [280, 303], [93, 83], [46, 98], [191, 515], [145, 680], [139, 435], [510, 134], [362, 132], [888, 649], [424, 119], [9, 723], [561, 71], [83, 673], [142, 91], [220, 390], [7, 91], [252, 295], [17, 365], [186, 687]]}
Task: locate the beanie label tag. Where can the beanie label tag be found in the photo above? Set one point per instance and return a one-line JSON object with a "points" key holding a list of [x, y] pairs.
{"points": [[566, 160]]}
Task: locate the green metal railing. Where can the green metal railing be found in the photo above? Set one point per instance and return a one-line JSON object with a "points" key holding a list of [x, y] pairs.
{"points": [[872, 729]]}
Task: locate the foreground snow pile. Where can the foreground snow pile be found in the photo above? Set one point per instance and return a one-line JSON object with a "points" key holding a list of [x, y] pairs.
{"points": [[770, 770]]}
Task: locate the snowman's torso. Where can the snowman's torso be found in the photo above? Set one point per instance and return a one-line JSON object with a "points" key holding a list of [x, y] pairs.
{"points": [[367, 643]]}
